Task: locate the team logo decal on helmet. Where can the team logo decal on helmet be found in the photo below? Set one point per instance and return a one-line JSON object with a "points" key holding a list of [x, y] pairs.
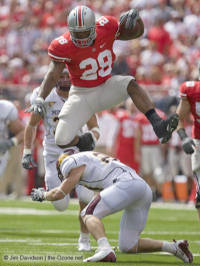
{"points": [[82, 26]]}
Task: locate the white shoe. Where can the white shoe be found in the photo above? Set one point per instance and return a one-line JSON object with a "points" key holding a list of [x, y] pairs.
{"points": [[84, 245], [105, 255], [182, 251]]}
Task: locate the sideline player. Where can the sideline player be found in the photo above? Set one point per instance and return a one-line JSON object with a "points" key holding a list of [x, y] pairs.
{"points": [[121, 189], [8, 122], [190, 103], [53, 105], [87, 51]]}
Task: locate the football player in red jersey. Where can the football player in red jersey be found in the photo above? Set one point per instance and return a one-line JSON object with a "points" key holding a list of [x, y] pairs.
{"points": [[87, 51], [124, 143], [146, 144], [190, 103]]}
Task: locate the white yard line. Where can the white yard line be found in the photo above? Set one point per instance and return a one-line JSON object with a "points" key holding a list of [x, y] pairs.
{"points": [[31, 211], [58, 231]]}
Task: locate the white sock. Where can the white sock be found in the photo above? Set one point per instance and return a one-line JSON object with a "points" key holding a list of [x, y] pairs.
{"points": [[103, 242], [84, 236], [168, 247]]}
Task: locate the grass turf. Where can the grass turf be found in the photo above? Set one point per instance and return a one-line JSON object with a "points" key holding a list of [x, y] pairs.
{"points": [[34, 234]]}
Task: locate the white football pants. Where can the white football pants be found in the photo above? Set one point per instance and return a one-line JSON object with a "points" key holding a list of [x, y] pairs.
{"points": [[134, 197], [84, 102]]}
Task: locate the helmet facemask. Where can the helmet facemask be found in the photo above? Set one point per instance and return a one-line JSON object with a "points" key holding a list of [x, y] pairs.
{"points": [[83, 42]]}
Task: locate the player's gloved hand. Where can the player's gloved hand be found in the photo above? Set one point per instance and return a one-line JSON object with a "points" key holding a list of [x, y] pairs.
{"points": [[28, 161], [86, 142], [188, 145], [162, 128], [38, 194], [130, 17], [37, 107], [6, 145]]}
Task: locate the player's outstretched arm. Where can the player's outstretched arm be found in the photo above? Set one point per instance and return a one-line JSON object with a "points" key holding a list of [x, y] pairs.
{"points": [[17, 130], [29, 137], [54, 71], [59, 192], [183, 110], [53, 74]]}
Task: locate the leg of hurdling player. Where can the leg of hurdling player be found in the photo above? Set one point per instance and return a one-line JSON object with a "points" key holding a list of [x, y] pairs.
{"points": [[162, 128]]}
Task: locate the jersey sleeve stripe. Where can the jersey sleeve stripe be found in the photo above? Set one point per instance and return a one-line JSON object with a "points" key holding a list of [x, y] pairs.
{"points": [[58, 57]]}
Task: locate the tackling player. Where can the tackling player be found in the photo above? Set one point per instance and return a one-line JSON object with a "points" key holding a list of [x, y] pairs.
{"points": [[121, 189], [190, 103], [87, 51], [53, 105]]}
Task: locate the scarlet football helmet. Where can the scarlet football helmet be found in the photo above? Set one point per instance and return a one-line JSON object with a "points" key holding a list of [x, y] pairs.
{"points": [[82, 26]]}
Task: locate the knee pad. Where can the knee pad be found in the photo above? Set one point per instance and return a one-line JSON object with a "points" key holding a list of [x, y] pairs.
{"points": [[61, 205]]}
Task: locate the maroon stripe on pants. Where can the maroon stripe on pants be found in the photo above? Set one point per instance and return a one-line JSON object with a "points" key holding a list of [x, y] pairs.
{"points": [[92, 205]]}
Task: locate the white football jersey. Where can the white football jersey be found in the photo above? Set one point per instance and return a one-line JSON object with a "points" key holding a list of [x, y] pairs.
{"points": [[8, 113], [53, 104], [101, 170]]}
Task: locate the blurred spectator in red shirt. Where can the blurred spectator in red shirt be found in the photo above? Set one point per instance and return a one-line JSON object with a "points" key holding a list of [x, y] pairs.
{"points": [[160, 36]]}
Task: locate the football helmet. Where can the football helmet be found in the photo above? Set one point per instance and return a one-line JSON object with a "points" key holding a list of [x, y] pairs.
{"points": [[82, 26], [66, 153]]}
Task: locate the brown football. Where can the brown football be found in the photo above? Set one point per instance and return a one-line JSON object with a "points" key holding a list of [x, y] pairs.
{"points": [[133, 33]]}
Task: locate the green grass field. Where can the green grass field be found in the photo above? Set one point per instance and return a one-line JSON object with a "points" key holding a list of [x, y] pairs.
{"points": [[34, 234]]}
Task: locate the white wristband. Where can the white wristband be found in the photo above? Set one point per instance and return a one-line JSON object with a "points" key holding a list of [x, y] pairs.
{"points": [[96, 129], [15, 141], [27, 151]]}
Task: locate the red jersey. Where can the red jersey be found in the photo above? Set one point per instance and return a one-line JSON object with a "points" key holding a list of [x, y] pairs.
{"points": [[89, 66], [148, 136], [191, 90], [125, 139]]}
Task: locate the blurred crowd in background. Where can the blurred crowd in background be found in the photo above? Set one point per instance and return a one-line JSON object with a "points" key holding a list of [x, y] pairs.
{"points": [[164, 57]]}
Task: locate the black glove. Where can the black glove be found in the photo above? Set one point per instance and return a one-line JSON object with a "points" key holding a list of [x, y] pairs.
{"points": [[86, 142], [188, 145], [6, 145], [130, 17], [162, 128], [38, 194], [37, 107], [28, 161]]}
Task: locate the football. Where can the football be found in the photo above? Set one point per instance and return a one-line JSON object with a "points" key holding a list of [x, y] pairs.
{"points": [[129, 34]]}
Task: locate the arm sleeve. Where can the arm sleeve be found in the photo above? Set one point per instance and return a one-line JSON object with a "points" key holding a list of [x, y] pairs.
{"points": [[183, 90], [112, 26], [57, 49]]}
